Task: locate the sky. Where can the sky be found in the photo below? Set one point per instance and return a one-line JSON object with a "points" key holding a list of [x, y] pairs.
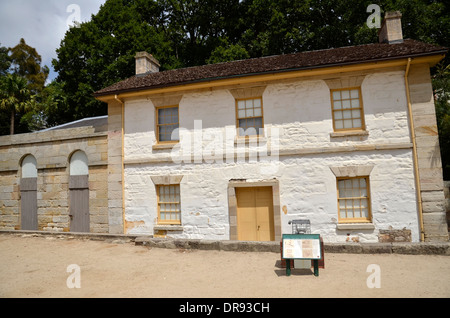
{"points": [[42, 23]]}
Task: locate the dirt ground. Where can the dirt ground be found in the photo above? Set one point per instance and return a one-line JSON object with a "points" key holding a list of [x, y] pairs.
{"points": [[36, 267]]}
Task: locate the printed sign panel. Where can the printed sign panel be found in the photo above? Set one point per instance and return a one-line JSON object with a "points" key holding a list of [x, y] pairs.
{"points": [[301, 246]]}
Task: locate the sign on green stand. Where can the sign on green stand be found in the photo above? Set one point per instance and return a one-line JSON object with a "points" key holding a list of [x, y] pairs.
{"points": [[302, 246]]}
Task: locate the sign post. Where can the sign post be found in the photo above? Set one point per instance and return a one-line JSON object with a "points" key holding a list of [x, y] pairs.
{"points": [[302, 246]]}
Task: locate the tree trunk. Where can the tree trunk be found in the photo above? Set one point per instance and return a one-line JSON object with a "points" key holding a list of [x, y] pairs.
{"points": [[11, 128]]}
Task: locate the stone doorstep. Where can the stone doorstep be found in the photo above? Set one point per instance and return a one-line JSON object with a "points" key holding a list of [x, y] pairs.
{"points": [[423, 248]]}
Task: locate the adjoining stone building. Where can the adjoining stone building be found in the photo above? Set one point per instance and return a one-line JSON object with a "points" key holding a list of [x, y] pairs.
{"points": [[56, 179], [345, 138]]}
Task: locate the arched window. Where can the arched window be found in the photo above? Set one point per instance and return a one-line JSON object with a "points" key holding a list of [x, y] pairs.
{"points": [[29, 169], [79, 164]]}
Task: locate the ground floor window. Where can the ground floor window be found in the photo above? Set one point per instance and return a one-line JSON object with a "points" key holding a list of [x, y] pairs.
{"points": [[169, 211], [353, 199]]}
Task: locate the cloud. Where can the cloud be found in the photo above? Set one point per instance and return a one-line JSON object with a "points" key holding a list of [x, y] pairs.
{"points": [[42, 24]]}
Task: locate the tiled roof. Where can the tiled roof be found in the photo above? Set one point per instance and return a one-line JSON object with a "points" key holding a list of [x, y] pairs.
{"points": [[277, 63]]}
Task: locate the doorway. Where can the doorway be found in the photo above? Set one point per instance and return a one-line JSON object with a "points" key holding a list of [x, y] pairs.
{"points": [[28, 194], [79, 193], [255, 216]]}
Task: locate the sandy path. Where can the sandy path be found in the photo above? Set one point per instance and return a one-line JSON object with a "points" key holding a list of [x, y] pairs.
{"points": [[36, 267]]}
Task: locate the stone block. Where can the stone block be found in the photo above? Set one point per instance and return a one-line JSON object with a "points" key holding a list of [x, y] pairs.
{"points": [[343, 248], [394, 235], [208, 245], [429, 207], [432, 196], [423, 248], [376, 248]]}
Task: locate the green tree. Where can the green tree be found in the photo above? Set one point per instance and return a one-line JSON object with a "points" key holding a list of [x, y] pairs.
{"points": [[26, 62], [5, 60], [54, 106], [441, 86], [101, 52], [227, 52], [14, 96], [181, 33], [22, 79]]}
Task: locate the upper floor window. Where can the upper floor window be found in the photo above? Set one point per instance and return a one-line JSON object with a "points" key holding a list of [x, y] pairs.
{"points": [[167, 124], [347, 109], [249, 116]]}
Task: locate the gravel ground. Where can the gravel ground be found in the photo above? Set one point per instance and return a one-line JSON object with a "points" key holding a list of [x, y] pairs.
{"points": [[40, 267]]}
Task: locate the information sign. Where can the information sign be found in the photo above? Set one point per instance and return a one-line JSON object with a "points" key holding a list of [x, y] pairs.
{"points": [[302, 246]]}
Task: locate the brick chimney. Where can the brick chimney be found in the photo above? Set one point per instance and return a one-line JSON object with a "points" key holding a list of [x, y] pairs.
{"points": [[391, 28], [146, 63]]}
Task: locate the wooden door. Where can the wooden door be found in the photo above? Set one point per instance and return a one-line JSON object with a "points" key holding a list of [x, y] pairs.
{"points": [[255, 214], [28, 204], [79, 204]]}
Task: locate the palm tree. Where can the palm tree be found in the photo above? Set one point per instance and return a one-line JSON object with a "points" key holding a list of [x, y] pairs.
{"points": [[14, 95]]}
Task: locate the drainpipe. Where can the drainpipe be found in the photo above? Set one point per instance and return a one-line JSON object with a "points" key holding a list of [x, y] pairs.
{"points": [[123, 172], [415, 159]]}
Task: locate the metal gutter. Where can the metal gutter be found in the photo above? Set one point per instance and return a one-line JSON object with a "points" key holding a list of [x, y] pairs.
{"points": [[415, 159]]}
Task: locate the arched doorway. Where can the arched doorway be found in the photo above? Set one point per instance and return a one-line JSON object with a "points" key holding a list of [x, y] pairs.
{"points": [[28, 194], [79, 192]]}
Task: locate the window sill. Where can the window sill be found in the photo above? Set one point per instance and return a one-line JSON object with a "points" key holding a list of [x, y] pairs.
{"points": [[355, 226], [349, 133], [164, 146], [168, 227], [249, 139]]}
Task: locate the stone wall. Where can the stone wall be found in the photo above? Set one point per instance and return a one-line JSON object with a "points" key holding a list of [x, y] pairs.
{"points": [[428, 153], [114, 177], [307, 190], [52, 150]]}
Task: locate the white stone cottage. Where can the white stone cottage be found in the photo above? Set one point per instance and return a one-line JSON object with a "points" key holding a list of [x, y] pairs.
{"points": [[344, 137]]}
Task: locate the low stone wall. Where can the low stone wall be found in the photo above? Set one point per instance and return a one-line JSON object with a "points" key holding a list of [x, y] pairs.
{"points": [[423, 248], [52, 151]]}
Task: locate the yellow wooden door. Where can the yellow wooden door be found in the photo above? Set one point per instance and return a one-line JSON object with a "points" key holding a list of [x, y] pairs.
{"points": [[255, 214]]}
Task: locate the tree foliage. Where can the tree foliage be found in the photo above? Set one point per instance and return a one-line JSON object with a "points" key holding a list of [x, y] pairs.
{"points": [[441, 85], [15, 96], [26, 62], [22, 79], [183, 33]]}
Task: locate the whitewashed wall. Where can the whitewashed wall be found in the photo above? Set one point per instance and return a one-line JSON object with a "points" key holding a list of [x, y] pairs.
{"points": [[301, 113]]}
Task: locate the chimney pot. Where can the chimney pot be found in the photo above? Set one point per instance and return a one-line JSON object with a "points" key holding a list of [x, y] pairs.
{"points": [[146, 63], [391, 28]]}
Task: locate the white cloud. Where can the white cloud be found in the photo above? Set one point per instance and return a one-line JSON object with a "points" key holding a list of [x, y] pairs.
{"points": [[42, 23]]}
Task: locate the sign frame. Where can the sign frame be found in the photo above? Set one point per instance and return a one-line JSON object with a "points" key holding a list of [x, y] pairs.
{"points": [[302, 237]]}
